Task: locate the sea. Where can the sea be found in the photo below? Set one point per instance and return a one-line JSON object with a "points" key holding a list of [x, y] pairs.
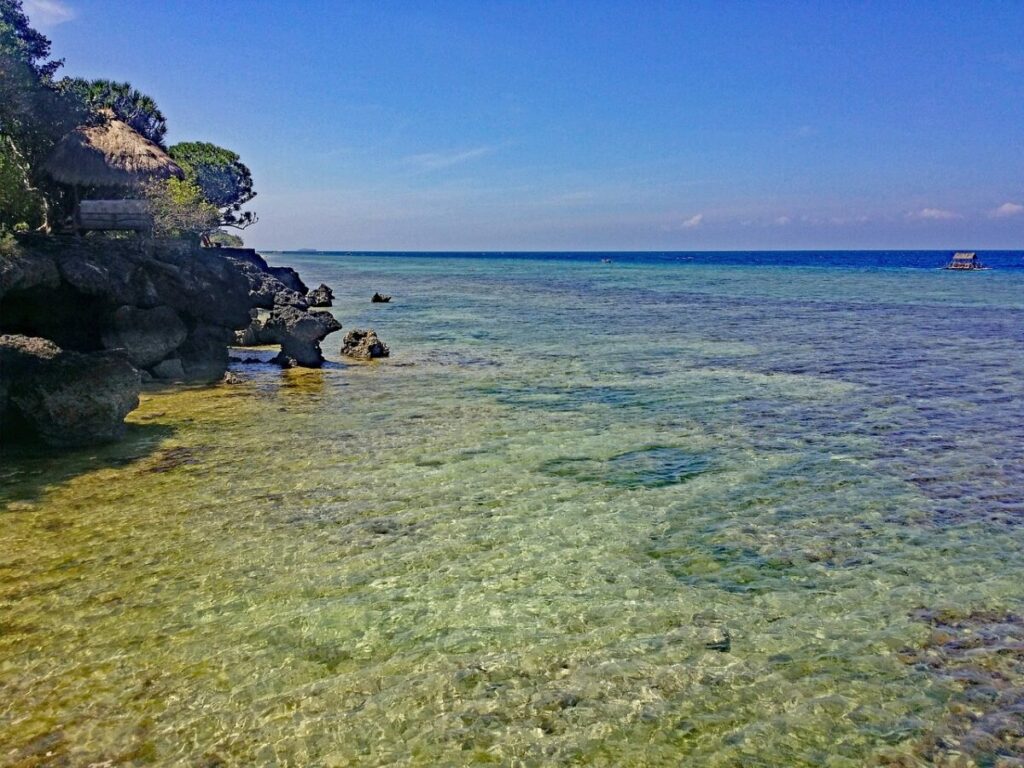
{"points": [[608, 509]]}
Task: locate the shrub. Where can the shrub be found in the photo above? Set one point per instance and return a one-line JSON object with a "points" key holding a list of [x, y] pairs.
{"points": [[179, 209]]}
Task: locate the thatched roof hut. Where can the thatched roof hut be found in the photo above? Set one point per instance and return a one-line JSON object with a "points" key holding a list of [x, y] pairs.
{"points": [[110, 154], [965, 260]]}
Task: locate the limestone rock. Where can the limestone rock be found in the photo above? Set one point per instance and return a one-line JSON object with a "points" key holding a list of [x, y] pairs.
{"points": [[171, 369], [204, 355], [83, 314], [147, 335], [364, 345], [299, 332], [321, 296], [66, 399]]}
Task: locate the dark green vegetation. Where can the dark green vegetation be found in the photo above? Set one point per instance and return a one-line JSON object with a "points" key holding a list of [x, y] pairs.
{"points": [[127, 104], [35, 113], [225, 181], [38, 111]]}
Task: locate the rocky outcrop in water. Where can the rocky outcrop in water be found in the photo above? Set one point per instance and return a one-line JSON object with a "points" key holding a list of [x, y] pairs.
{"points": [[155, 301], [286, 276], [378, 298], [364, 345], [299, 332], [321, 296], [64, 398], [147, 335], [290, 322], [87, 319]]}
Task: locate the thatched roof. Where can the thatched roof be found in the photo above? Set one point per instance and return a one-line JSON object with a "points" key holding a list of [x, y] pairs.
{"points": [[111, 154]]}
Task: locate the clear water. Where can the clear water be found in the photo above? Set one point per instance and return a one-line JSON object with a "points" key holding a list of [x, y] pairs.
{"points": [[650, 512]]}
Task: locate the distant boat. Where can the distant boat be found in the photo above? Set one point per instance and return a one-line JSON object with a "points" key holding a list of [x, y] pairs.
{"points": [[964, 260], [606, 261]]}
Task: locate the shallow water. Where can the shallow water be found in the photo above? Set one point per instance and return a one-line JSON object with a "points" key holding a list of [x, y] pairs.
{"points": [[608, 514]]}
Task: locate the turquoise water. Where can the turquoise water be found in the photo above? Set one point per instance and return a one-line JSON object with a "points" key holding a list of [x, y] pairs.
{"points": [[638, 513]]}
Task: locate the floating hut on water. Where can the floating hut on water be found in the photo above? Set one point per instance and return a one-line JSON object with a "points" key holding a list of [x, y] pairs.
{"points": [[963, 260], [107, 163]]}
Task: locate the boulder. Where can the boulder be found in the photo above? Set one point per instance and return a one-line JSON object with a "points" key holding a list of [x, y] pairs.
{"points": [[66, 399], [204, 355], [287, 276], [321, 296], [22, 270], [379, 299], [250, 335], [171, 369], [265, 290], [193, 281], [299, 332], [85, 318], [364, 345], [146, 335]]}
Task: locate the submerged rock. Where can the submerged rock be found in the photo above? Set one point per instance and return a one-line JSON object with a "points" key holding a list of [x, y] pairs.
{"points": [[979, 656], [299, 332], [321, 296], [651, 467], [379, 299], [364, 345], [65, 398]]}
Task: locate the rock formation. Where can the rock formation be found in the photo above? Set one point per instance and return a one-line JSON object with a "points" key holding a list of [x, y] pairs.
{"points": [[299, 332], [379, 299], [85, 320], [153, 300], [287, 276], [147, 335], [290, 323], [321, 296], [66, 399], [364, 345]]}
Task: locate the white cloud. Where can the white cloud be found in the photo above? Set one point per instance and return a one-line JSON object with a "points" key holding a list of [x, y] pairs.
{"points": [[934, 214], [48, 13], [783, 220], [433, 161], [693, 222], [1006, 210]]}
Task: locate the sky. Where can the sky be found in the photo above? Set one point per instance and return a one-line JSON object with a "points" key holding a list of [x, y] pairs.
{"points": [[588, 125]]}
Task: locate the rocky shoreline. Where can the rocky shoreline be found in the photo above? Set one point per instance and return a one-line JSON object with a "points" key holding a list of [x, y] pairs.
{"points": [[84, 322]]}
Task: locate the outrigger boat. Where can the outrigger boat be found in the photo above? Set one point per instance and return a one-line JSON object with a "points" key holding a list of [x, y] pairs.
{"points": [[963, 260]]}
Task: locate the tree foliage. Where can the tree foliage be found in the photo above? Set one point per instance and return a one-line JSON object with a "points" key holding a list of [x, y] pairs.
{"points": [[20, 204], [224, 179], [226, 239], [23, 43], [127, 104], [35, 113], [179, 208]]}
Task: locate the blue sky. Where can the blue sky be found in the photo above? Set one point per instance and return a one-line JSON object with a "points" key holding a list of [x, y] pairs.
{"points": [[589, 124]]}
